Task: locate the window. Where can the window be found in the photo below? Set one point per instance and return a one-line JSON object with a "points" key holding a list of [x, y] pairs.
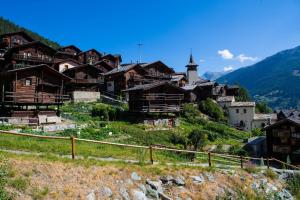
{"points": [[245, 110], [237, 110], [66, 67], [28, 82]]}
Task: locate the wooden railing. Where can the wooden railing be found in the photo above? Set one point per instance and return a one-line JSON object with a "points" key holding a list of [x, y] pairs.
{"points": [[17, 97], [210, 156], [161, 108], [33, 58], [162, 97], [86, 81]]}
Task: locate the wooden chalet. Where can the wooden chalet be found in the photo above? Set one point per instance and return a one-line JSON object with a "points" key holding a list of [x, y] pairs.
{"points": [[124, 77], [91, 57], [157, 97], [67, 52], [66, 64], [25, 90], [283, 137], [33, 53], [112, 60], [158, 71], [84, 78], [14, 39], [103, 66], [179, 79], [203, 90], [232, 90]]}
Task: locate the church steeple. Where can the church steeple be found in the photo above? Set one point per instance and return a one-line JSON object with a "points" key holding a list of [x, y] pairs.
{"points": [[192, 73], [191, 62]]}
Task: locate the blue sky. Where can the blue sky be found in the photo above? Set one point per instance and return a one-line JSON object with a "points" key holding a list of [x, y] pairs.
{"points": [[222, 34]]}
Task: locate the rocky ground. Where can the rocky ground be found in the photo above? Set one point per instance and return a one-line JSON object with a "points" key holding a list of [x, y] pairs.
{"points": [[93, 181]]}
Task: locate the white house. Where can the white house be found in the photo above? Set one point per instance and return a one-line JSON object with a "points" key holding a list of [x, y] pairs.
{"points": [[241, 114]]}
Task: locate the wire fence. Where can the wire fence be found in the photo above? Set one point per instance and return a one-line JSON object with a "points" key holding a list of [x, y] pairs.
{"points": [[78, 147]]}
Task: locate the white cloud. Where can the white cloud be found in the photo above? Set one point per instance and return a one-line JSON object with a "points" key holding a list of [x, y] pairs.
{"points": [[225, 54], [202, 61], [229, 68], [242, 58]]}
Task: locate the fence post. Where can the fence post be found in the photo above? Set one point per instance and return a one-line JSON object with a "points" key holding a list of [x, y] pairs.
{"points": [[209, 159], [73, 146], [242, 165], [151, 154], [268, 162]]}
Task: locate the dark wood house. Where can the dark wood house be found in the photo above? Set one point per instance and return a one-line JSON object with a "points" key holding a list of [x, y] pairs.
{"points": [[103, 66], [24, 91], [66, 64], [112, 60], [124, 77], [67, 52], [14, 39], [91, 57], [283, 137], [158, 71], [33, 53], [84, 78], [157, 97]]}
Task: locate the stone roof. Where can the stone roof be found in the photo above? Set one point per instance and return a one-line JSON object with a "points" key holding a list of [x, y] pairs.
{"points": [[272, 116], [243, 104], [122, 68], [189, 87], [225, 99], [176, 78]]}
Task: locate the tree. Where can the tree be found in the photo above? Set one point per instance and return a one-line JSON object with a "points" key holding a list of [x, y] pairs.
{"points": [[212, 109], [262, 107], [243, 95], [197, 138]]}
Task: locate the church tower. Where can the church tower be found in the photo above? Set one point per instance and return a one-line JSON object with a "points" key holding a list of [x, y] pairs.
{"points": [[192, 74]]}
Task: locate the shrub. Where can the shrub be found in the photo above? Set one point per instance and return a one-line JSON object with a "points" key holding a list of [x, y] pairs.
{"points": [[178, 139], [271, 174], [106, 112], [237, 150], [257, 132], [212, 109], [192, 114], [197, 138], [294, 185]]}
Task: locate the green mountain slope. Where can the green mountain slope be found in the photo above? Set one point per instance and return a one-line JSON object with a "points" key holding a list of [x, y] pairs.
{"points": [[275, 79], [7, 26]]}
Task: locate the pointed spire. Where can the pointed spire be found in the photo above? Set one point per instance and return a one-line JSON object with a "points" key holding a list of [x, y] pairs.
{"points": [[191, 62]]}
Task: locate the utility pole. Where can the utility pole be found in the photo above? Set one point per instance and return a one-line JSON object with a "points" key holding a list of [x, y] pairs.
{"points": [[140, 51]]}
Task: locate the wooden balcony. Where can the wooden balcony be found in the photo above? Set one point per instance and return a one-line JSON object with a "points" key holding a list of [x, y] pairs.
{"points": [[87, 81], [162, 97], [161, 108], [285, 149], [33, 58], [38, 98]]}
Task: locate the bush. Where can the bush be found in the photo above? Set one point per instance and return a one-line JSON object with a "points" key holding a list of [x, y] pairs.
{"points": [[197, 138], [178, 139], [106, 112], [212, 109], [271, 174], [192, 114], [257, 132], [237, 150], [294, 185]]}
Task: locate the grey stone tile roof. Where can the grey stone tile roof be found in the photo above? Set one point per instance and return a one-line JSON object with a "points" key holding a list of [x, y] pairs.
{"points": [[243, 104], [225, 99]]}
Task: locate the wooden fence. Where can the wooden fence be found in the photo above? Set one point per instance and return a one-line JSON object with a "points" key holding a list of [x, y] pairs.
{"points": [[152, 148]]}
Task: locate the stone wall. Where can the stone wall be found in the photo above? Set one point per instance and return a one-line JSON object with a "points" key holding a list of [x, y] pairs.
{"points": [[85, 96]]}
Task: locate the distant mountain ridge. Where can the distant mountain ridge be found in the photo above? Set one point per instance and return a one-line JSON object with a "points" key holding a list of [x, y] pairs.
{"points": [[7, 26], [214, 75], [275, 80]]}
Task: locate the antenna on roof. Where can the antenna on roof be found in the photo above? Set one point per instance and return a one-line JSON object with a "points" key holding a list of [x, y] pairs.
{"points": [[140, 49]]}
